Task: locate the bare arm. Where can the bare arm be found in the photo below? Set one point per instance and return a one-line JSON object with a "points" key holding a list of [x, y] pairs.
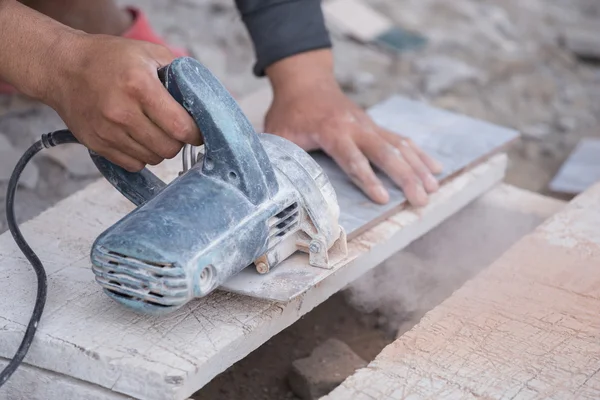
{"points": [[105, 88], [30, 43]]}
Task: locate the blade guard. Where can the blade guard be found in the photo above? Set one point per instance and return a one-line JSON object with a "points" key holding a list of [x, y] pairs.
{"points": [[233, 152]]}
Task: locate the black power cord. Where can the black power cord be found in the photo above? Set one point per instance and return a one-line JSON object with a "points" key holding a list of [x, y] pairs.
{"points": [[48, 140]]}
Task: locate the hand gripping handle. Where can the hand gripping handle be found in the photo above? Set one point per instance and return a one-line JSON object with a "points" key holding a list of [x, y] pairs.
{"points": [[233, 152]]}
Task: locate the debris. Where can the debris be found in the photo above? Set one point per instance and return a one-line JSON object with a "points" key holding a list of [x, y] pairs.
{"points": [[536, 131], [442, 73], [359, 21], [9, 156], [583, 42], [357, 82], [326, 368]]}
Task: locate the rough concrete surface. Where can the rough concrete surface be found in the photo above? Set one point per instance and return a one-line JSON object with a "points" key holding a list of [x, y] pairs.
{"points": [[524, 328], [329, 364]]}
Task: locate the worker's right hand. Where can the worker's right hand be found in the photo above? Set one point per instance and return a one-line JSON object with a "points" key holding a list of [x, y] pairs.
{"points": [[108, 93]]}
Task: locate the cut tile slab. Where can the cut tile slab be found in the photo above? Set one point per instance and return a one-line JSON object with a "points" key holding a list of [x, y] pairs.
{"points": [[527, 327], [581, 170]]}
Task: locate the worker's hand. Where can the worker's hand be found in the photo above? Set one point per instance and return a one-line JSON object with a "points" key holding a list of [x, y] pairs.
{"points": [[310, 109], [108, 93]]}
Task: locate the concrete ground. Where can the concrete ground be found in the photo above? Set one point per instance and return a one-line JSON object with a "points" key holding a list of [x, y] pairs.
{"points": [[504, 61]]}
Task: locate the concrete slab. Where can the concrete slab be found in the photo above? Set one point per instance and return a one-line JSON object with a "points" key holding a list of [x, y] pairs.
{"points": [[527, 327]]}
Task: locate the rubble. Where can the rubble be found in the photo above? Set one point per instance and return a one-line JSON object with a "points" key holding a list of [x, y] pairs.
{"points": [[583, 42], [443, 73], [326, 368], [9, 156]]}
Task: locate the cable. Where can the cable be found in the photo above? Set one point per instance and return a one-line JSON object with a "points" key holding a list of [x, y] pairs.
{"points": [[48, 140]]}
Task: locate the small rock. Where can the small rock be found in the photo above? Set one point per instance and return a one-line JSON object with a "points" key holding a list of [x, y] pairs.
{"points": [[583, 42], [537, 131], [357, 82], [9, 156], [567, 124], [442, 73], [75, 158], [326, 368]]}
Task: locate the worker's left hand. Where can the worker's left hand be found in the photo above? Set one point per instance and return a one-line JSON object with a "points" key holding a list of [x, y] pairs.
{"points": [[310, 109]]}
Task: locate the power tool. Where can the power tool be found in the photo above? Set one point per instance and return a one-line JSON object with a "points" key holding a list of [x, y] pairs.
{"points": [[243, 199]]}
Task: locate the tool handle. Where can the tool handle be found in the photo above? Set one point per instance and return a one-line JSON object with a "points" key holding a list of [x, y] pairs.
{"points": [[233, 152]]}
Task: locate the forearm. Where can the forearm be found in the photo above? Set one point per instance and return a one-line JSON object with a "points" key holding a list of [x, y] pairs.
{"points": [[283, 28], [31, 45], [293, 75]]}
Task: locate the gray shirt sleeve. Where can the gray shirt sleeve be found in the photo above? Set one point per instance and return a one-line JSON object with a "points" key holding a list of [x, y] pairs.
{"points": [[282, 28]]}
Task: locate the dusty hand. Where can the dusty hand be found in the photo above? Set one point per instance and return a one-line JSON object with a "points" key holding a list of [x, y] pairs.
{"points": [[315, 114], [109, 95]]}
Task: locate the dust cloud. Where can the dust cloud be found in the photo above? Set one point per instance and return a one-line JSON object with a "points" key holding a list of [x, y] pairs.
{"points": [[415, 280]]}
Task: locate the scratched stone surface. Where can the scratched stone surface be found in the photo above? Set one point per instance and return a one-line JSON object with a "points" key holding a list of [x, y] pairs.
{"points": [[581, 170], [527, 327]]}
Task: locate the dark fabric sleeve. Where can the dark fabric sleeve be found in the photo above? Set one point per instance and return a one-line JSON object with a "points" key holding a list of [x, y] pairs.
{"points": [[282, 28]]}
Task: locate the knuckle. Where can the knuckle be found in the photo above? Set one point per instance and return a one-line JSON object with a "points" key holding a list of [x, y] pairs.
{"points": [[119, 115], [359, 169], [155, 160], [135, 82], [106, 135], [407, 141], [181, 130], [171, 152]]}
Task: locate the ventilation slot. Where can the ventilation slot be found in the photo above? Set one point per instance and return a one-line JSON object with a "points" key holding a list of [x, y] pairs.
{"points": [[159, 284], [284, 222]]}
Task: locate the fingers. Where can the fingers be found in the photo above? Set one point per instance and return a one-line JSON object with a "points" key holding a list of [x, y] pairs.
{"points": [[407, 150], [169, 115], [154, 139], [353, 162], [138, 151], [433, 165], [390, 160]]}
